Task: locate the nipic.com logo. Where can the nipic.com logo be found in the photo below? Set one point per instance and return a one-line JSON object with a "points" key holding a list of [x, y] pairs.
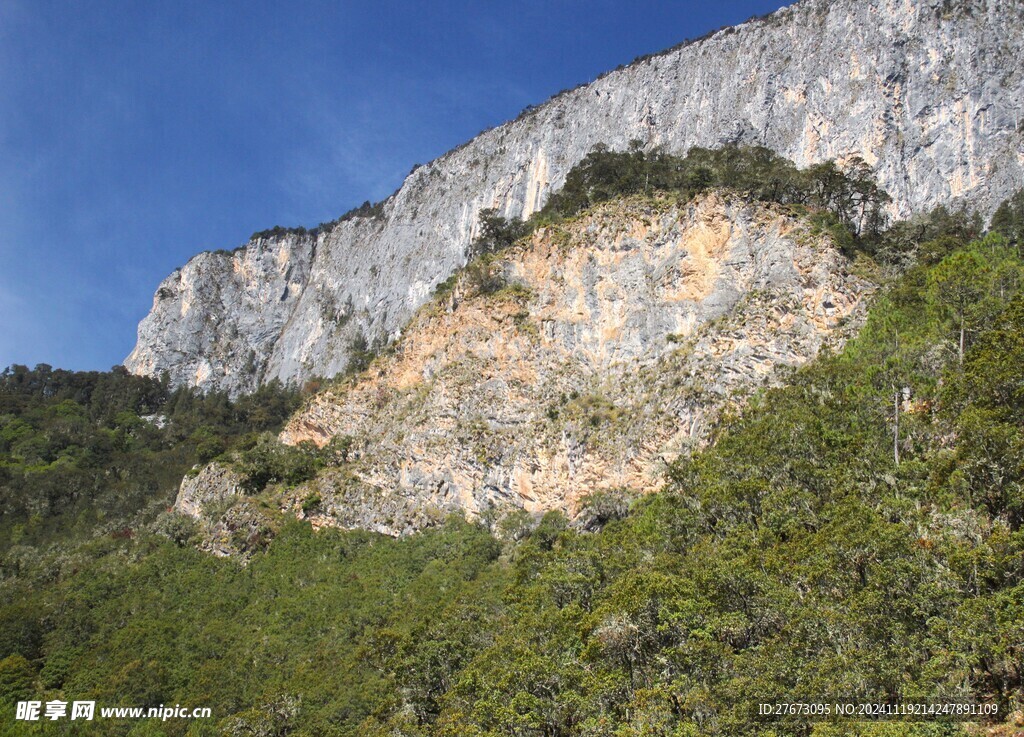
{"points": [[30, 710], [34, 711]]}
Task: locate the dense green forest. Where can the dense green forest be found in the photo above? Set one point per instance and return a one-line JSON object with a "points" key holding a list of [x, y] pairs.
{"points": [[82, 451], [855, 534]]}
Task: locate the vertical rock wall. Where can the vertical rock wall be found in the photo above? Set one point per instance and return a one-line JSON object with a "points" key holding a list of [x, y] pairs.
{"points": [[929, 92]]}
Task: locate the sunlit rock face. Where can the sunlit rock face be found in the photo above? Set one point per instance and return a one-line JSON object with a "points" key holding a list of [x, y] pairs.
{"points": [[929, 92], [620, 339]]}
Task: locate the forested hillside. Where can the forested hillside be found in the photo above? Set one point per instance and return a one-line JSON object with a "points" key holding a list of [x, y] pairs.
{"points": [[81, 452], [855, 534]]}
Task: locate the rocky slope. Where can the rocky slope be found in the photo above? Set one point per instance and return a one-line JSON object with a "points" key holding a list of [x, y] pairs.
{"points": [[227, 521], [615, 343], [930, 92]]}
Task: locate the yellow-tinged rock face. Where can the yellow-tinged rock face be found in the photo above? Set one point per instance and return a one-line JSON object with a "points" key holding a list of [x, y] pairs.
{"points": [[619, 339]]}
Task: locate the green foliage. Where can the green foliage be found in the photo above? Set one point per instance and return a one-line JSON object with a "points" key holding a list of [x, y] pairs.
{"points": [[855, 533], [849, 194], [971, 285], [82, 449], [484, 275], [366, 210], [1009, 218], [311, 503], [447, 286], [846, 202], [17, 679], [928, 237], [361, 353], [178, 528], [313, 637], [271, 462], [599, 508], [986, 399], [496, 233]]}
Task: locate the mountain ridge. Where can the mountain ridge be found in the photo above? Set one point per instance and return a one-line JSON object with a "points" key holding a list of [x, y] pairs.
{"points": [[929, 95]]}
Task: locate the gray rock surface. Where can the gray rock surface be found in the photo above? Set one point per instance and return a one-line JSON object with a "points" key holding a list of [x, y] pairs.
{"points": [[620, 339], [929, 92], [230, 524], [213, 487]]}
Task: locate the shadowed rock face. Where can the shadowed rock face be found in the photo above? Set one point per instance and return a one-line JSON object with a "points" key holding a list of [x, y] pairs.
{"points": [[930, 93], [620, 339]]}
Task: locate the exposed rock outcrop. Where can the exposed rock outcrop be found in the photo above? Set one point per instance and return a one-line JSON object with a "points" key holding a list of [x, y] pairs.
{"points": [[929, 92], [230, 524], [213, 487], [616, 343]]}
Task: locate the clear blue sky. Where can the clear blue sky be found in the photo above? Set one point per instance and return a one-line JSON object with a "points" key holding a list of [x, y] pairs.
{"points": [[135, 134]]}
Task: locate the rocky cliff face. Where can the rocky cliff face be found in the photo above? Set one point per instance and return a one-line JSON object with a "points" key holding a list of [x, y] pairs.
{"points": [[217, 322], [929, 92], [214, 486], [617, 341]]}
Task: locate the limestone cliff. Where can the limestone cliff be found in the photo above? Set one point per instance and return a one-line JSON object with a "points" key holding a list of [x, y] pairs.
{"points": [[214, 486], [616, 342], [215, 322], [929, 92]]}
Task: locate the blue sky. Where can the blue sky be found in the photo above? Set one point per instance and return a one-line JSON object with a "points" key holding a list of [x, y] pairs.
{"points": [[135, 134]]}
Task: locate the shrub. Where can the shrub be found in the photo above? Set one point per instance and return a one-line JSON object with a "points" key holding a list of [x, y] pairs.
{"points": [[485, 275], [849, 193], [601, 507], [271, 462], [17, 679], [179, 528], [497, 233], [311, 503]]}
